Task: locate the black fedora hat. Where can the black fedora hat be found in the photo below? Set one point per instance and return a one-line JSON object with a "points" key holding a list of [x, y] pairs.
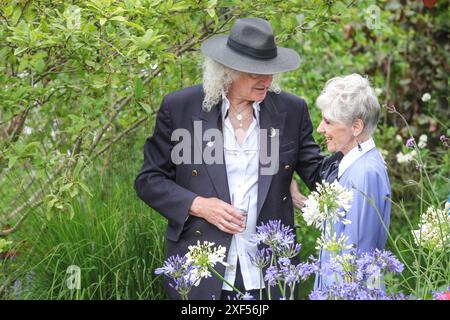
{"points": [[251, 48]]}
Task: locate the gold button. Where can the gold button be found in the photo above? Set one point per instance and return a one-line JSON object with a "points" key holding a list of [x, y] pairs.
{"points": [[287, 167], [194, 173]]}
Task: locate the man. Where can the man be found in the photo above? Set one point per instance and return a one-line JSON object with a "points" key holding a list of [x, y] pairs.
{"points": [[239, 98]]}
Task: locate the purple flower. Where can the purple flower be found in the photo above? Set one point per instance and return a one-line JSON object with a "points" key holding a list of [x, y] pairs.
{"points": [[182, 273], [173, 266], [261, 258], [274, 234], [272, 276], [318, 295], [245, 296], [410, 143], [374, 263], [305, 270], [289, 251]]}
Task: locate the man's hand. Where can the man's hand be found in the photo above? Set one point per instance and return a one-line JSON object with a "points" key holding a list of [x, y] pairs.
{"points": [[298, 199], [219, 213]]}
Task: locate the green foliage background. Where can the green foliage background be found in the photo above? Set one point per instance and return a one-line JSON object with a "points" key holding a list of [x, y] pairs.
{"points": [[81, 81]]}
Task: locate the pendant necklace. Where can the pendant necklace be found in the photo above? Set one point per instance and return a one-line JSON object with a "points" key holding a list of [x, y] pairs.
{"points": [[240, 117]]}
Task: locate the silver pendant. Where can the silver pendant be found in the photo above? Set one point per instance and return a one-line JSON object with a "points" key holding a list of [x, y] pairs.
{"points": [[239, 117]]}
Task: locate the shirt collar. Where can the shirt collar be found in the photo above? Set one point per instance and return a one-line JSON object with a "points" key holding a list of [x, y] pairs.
{"points": [[354, 155], [226, 105]]}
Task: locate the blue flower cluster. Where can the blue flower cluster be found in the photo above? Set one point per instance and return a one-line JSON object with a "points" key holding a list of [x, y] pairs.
{"points": [[359, 276], [182, 273]]}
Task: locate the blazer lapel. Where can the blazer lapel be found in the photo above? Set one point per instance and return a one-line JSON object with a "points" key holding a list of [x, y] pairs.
{"points": [[270, 120], [216, 171]]}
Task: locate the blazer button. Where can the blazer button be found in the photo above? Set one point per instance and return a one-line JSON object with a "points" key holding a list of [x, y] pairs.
{"points": [[287, 167], [284, 198], [194, 173], [198, 233]]}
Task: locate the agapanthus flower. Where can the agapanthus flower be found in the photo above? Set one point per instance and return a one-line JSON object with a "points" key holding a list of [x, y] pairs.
{"points": [[245, 296], [352, 291], [206, 256], [289, 251], [333, 243], [410, 143], [183, 274], [329, 202], [275, 235], [272, 276], [372, 264], [434, 229], [261, 258]]}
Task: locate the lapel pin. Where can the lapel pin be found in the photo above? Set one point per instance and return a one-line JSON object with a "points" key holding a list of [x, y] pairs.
{"points": [[272, 133]]}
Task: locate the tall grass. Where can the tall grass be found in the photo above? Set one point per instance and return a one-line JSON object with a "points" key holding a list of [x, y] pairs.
{"points": [[114, 238]]}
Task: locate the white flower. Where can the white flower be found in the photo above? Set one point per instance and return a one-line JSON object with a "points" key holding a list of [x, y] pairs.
{"points": [[405, 158], [332, 243], [426, 97], [205, 256], [328, 202], [434, 229], [423, 139], [399, 138], [27, 130]]}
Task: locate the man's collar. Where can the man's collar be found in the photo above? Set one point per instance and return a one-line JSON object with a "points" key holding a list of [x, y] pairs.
{"points": [[226, 106]]}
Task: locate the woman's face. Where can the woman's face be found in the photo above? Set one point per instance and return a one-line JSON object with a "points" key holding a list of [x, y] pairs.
{"points": [[250, 87], [338, 136]]}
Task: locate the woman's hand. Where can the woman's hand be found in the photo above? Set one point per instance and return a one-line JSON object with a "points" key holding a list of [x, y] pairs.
{"points": [[298, 199]]}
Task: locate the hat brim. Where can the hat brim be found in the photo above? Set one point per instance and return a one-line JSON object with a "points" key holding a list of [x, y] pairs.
{"points": [[216, 48]]}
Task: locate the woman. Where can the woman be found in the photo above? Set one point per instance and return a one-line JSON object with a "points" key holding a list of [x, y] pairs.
{"points": [[350, 112]]}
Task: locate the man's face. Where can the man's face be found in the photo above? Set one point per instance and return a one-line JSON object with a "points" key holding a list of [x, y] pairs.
{"points": [[250, 87]]}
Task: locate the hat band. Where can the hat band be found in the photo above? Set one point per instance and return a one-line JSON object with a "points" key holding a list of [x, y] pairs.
{"points": [[256, 53]]}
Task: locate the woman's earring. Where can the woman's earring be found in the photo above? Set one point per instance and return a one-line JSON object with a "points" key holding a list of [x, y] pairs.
{"points": [[359, 145]]}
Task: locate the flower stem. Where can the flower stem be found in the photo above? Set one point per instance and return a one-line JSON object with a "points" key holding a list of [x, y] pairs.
{"points": [[223, 279]]}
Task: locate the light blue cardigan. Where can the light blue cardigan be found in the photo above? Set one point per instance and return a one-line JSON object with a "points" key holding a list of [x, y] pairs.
{"points": [[371, 207]]}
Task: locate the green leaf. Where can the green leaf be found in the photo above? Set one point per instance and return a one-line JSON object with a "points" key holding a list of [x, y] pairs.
{"points": [[118, 18], [138, 88], [71, 211], [66, 187], [39, 65], [211, 12], [102, 21], [147, 108], [16, 15], [135, 25], [19, 50], [12, 161]]}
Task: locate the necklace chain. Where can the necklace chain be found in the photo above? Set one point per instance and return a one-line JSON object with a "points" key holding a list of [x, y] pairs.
{"points": [[239, 116]]}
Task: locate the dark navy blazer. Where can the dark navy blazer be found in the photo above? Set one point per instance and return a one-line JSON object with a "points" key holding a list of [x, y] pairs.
{"points": [[170, 189]]}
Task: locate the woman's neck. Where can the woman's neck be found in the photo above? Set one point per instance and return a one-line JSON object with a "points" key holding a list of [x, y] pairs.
{"points": [[354, 142]]}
